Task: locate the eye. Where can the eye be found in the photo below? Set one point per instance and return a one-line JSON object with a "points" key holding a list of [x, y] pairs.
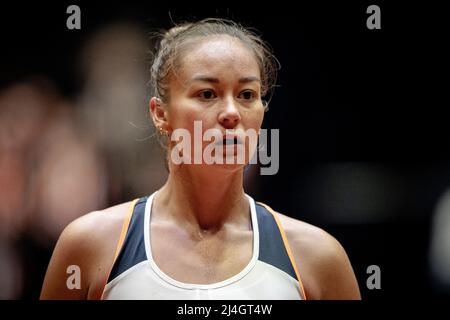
{"points": [[207, 94], [247, 95]]}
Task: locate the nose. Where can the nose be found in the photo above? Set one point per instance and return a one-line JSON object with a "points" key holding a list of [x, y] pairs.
{"points": [[229, 116]]}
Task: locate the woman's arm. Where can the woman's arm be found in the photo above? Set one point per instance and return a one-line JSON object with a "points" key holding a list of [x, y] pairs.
{"points": [[68, 270], [323, 265], [84, 252], [337, 280]]}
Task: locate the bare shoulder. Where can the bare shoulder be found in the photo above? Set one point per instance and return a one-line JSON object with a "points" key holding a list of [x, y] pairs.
{"points": [[88, 243], [95, 230], [309, 238], [96, 224], [323, 264]]}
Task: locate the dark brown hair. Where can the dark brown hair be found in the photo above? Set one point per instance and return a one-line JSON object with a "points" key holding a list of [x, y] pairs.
{"points": [[171, 44]]}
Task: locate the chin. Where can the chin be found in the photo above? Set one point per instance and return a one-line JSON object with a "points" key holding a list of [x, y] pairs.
{"points": [[225, 167]]}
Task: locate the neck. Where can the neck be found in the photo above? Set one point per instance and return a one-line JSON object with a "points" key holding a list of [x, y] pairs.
{"points": [[204, 199]]}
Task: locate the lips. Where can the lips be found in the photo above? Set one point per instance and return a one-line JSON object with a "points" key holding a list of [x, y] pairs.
{"points": [[230, 140]]}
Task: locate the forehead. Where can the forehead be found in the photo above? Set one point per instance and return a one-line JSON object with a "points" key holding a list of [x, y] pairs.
{"points": [[219, 55]]}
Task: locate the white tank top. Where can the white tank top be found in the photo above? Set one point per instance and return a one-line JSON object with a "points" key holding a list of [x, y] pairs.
{"points": [[271, 273]]}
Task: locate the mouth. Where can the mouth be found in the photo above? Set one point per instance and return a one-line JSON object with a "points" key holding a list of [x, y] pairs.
{"points": [[230, 141]]}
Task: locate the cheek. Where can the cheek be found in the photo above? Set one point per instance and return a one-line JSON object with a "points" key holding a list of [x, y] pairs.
{"points": [[254, 119], [180, 115], [186, 119], [183, 114], [182, 119]]}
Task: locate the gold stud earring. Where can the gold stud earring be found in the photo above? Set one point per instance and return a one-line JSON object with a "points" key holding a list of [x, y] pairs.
{"points": [[163, 132]]}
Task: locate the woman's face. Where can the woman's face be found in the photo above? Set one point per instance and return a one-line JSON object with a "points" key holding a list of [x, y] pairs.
{"points": [[218, 82]]}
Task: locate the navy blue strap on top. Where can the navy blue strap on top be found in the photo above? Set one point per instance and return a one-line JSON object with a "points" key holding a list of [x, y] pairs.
{"points": [[133, 249], [271, 246]]}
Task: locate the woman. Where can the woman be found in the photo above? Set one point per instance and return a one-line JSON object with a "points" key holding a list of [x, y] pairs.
{"points": [[200, 236]]}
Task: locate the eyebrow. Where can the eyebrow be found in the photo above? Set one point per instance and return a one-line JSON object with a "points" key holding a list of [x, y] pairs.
{"points": [[216, 80]]}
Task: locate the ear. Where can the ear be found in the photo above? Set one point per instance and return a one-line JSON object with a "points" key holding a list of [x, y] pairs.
{"points": [[265, 105], [158, 113]]}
